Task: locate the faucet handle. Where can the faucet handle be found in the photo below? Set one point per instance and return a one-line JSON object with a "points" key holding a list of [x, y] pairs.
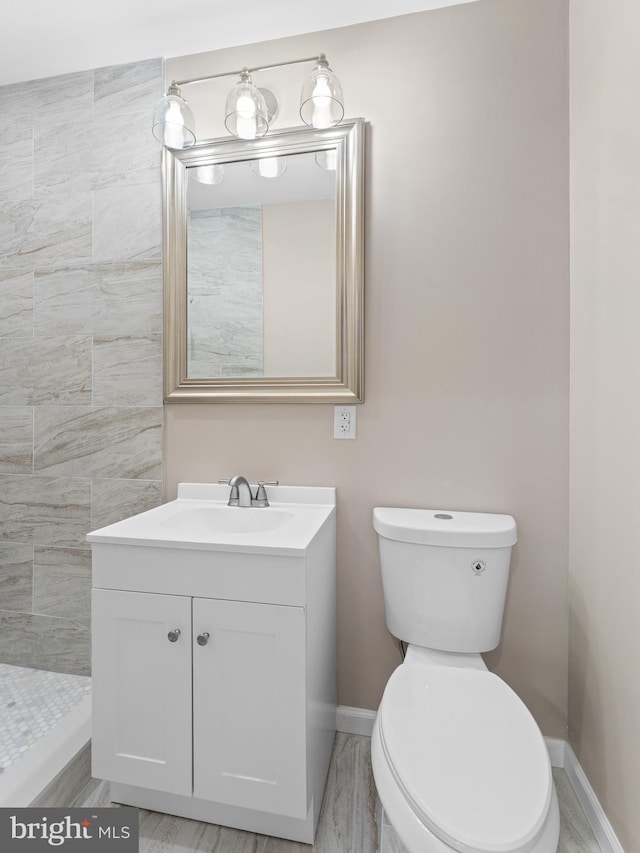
{"points": [[261, 494], [224, 482]]}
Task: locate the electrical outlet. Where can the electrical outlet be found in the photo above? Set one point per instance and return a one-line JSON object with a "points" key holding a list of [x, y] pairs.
{"points": [[344, 422]]}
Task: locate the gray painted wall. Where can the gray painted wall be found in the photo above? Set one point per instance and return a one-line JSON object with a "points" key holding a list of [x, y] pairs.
{"points": [[466, 318], [604, 583]]}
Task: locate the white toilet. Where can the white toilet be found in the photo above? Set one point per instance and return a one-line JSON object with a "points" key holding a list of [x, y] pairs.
{"points": [[458, 760]]}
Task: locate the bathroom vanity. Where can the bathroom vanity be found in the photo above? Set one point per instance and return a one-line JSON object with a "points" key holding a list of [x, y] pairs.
{"points": [[214, 658]]}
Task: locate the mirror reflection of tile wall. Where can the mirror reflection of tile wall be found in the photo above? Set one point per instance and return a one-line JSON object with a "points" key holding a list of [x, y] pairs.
{"points": [[80, 343], [225, 302]]}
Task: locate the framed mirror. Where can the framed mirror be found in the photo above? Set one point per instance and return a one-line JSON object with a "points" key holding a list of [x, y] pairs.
{"points": [[263, 268]]}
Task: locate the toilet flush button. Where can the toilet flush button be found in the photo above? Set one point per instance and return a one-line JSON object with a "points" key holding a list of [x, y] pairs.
{"points": [[478, 566]]}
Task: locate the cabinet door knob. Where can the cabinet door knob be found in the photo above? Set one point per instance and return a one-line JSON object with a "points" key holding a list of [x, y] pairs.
{"points": [[172, 636], [202, 639]]}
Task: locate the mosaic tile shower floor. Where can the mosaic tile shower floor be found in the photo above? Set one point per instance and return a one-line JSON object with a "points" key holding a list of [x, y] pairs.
{"points": [[32, 701]]}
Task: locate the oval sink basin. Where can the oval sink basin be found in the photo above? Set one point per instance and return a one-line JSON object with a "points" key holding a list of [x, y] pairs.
{"points": [[200, 521]]}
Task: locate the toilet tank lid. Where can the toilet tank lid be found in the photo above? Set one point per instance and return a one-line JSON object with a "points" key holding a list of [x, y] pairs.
{"points": [[446, 528]]}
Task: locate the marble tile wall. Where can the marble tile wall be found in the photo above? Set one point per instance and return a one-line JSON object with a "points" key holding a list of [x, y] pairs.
{"points": [[226, 323], [80, 343]]}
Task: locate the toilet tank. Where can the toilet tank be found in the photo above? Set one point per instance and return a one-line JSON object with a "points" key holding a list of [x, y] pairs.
{"points": [[445, 575]]}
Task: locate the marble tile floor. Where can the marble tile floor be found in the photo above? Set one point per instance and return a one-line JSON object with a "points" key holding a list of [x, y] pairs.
{"points": [[347, 820], [32, 702]]}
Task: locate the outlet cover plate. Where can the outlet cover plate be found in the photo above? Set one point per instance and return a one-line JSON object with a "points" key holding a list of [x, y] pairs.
{"points": [[344, 422]]}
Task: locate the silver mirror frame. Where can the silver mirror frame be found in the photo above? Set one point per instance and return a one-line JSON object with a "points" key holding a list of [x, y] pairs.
{"points": [[347, 386]]}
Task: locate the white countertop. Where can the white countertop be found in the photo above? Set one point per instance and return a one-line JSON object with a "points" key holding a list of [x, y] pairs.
{"points": [[200, 519]]}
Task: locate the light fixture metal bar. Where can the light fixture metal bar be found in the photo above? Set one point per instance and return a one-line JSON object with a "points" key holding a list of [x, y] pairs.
{"points": [[250, 70]]}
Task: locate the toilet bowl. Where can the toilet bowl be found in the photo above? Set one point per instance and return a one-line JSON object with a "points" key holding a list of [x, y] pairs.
{"points": [[459, 762]]}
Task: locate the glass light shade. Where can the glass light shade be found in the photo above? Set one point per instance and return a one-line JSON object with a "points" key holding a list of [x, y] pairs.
{"points": [[269, 167], [173, 122], [321, 102], [246, 114], [327, 159], [207, 174]]}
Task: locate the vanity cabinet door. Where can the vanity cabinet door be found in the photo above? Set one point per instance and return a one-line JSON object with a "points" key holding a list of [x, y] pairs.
{"points": [[249, 706], [142, 689]]}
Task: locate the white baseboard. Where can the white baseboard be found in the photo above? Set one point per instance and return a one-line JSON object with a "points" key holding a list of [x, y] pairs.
{"points": [[359, 721], [602, 829], [355, 721], [556, 747]]}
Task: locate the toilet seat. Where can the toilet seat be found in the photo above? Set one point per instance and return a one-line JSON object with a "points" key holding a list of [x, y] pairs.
{"points": [[467, 756]]}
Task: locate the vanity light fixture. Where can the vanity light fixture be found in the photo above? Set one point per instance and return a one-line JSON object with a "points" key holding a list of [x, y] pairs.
{"points": [[328, 159], [246, 115], [173, 122], [321, 102], [269, 167], [207, 174], [250, 110]]}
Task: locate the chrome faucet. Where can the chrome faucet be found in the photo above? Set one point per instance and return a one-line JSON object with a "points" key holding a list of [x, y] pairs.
{"points": [[241, 495], [240, 492]]}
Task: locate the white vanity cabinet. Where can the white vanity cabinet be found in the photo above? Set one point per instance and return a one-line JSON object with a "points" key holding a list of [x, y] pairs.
{"points": [[249, 694], [214, 676], [142, 689], [245, 701]]}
